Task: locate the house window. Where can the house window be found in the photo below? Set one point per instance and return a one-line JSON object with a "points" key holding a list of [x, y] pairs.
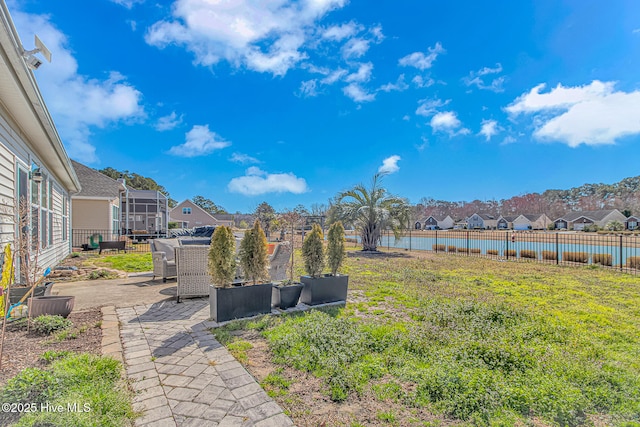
{"points": [[115, 217], [186, 211], [65, 218]]}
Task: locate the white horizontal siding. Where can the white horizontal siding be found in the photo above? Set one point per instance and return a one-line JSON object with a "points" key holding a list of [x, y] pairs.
{"points": [[7, 196]]}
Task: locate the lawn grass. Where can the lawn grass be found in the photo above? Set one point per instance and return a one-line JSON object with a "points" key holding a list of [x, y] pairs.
{"points": [[477, 340], [85, 389], [131, 262]]}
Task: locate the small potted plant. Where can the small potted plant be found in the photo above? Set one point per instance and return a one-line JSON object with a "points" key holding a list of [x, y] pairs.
{"points": [[233, 302], [319, 288]]}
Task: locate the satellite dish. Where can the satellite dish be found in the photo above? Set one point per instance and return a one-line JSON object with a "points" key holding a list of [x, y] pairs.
{"points": [[42, 49], [29, 55]]}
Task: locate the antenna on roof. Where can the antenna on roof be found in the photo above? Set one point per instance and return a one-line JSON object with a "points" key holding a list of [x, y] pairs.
{"points": [[29, 55]]}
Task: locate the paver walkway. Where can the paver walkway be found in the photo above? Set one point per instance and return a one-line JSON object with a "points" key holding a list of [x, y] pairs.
{"points": [[183, 376]]}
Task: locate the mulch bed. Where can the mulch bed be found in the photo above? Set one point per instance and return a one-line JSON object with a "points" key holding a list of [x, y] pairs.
{"points": [[23, 350]]}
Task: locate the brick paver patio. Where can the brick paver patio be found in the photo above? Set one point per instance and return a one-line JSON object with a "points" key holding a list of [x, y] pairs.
{"points": [[183, 377]]}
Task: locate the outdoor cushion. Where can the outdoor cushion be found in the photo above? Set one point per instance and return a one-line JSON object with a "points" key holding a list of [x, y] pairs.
{"points": [[167, 246]]}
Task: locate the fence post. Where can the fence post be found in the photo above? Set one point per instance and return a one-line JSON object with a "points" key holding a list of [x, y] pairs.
{"points": [[436, 241], [621, 252], [388, 244], [557, 250], [468, 243], [506, 251], [409, 239]]}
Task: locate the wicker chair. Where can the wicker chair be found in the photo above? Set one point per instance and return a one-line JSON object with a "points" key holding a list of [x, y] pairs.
{"points": [[193, 277], [163, 256]]}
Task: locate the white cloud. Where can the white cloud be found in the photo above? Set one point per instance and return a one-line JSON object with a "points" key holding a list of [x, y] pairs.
{"points": [[508, 140], [256, 182], [406, 118], [390, 165], [341, 32], [355, 48], [243, 159], [199, 141], [448, 122], [425, 144], [421, 82], [475, 78], [168, 122], [127, 3], [421, 61], [78, 103], [308, 88], [133, 24], [636, 31], [334, 76], [261, 36], [489, 129], [362, 75], [428, 107], [399, 85], [358, 94], [593, 114]]}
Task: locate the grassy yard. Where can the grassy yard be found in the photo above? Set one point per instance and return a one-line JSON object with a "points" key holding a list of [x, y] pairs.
{"points": [[131, 262], [438, 340]]}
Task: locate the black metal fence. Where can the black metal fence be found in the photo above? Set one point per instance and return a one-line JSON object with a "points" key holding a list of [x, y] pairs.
{"points": [[87, 240], [619, 251]]}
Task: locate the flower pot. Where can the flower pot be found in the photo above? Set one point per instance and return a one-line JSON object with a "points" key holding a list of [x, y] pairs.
{"points": [[325, 289], [286, 296], [52, 305], [239, 301], [18, 292]]}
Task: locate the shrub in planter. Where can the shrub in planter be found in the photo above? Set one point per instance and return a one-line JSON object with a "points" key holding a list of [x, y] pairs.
{"points": [[335, 247], [603, 259], [525, 253], [439, 248], [582, 257], [320, 289], [313, 252], [511, 253], [462, 250], [451, 248], [234, 302], [549, 255], [222, 257], [492, 252], [475, 250]]}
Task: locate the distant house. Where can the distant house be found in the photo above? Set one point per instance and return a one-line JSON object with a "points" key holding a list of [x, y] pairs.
{"points": [[482, 221], [632, 222], [436, 222], [188, 215], [34, 165], [531, 222], [580, 219], [96, 208], [505, 222], [144, 213]]}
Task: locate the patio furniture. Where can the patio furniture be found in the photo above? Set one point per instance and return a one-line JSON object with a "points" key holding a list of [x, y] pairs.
{"points": [[163, 256], [192, 273]]}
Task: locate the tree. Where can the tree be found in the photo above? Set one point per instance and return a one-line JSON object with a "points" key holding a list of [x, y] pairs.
{"points": [[138, 182], [372, 210], [253, 254], [335, 247], [208, 205], [266, 215], [313, 252], [222, 257]]}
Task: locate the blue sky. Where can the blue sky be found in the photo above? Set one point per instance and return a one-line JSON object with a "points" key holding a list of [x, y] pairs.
{"points": [[290, 102]]}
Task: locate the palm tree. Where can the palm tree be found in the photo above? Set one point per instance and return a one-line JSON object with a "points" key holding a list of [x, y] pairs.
{"points": [[372, 210]]}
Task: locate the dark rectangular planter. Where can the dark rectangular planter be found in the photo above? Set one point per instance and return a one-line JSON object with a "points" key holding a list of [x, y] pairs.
{"points": [[324, 289], [239, 301], [286, 296], [18, 292]]}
